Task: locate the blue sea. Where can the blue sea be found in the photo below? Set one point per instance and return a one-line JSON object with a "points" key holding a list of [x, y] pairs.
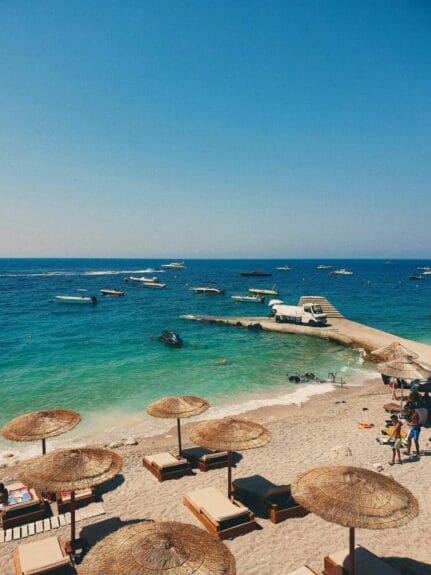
{"points": [[100, 360]]}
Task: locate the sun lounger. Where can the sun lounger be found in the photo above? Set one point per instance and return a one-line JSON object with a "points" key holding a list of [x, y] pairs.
{"points": [[304, 570], [25, 505], [44, 556], [366, 563], [392, 407], [82, 498], [205, 459], [166, 466], [274, 501], [222, 517]]}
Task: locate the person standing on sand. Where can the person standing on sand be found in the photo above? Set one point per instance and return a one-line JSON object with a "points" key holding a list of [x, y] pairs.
{"points": [[415, 430], [4, 498], [396, 435]]}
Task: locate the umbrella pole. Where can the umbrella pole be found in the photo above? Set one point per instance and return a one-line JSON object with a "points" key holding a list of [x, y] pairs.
{"points": [[229, 474], [351, 551], [72, 519], [43, 446], [180, 449], [402, 397]]}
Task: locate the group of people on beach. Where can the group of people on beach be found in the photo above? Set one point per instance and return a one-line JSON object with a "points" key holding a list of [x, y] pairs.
{"points": [[416, 413]]}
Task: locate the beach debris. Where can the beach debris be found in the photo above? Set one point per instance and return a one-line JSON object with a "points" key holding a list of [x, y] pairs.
{"points": [[115, 444], [378, 467], [341, 450], [130, 441]]}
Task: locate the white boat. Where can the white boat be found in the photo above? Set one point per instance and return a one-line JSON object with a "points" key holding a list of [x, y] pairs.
{"points": [[284, 269], [112, 292], [323, 267], [76, 299], [426, 273], [208, 289], [259, 291], [249, 298], [174, 266], [341, 272], [153, 285], [426, 268], [142, 279]]}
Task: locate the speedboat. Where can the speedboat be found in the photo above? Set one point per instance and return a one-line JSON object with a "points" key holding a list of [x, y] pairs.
{"points": [[112, 292], [170, 338], [256, 274], [174, 266], [413, 277], [284, 269], [323, 267], [208, 289], [341, 272], [249, 298], [76, 299], [426, 273], [153, 285], [142, 279], [259, 291]]}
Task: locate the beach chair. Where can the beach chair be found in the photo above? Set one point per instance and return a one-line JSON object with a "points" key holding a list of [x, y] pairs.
{"points": [[166, 466], [205, 459], [392, 407], [221, 517], [43, 556], [82, 498], [274, 501], [304, 570], [25, 506], [366, 563]]}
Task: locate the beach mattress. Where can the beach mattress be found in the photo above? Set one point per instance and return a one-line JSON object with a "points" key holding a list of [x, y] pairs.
{"points": [[41, 554], [164, 460], [366, 562], [215, 505]]}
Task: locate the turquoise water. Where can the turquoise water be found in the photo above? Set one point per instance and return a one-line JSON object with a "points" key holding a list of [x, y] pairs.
{"points": [[100, 358]]}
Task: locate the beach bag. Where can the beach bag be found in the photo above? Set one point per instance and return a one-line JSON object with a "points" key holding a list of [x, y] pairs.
{"points": [[422, 415]]}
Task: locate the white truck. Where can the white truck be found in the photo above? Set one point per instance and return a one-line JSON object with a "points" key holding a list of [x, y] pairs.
{"points": [[308, 314]]}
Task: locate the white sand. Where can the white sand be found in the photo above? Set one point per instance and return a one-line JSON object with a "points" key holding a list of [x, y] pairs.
{"points": [[303, 437]]}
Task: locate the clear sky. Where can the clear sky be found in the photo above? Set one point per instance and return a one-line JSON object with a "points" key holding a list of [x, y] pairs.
{"points": [[167, 128]]}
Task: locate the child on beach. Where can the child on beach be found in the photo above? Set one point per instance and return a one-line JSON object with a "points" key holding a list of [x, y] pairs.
{"points": [[396, 435]]}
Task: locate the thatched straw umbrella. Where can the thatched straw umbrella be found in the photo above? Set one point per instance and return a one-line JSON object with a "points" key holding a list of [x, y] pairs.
{"points": [[354, 497], [393, 351], [158, 549], [177, 407], [405, 368], [230, 434], [40, 425], [70, 470]]}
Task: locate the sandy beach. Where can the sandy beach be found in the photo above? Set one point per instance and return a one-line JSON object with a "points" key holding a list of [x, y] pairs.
{"points": [[320, 431]]}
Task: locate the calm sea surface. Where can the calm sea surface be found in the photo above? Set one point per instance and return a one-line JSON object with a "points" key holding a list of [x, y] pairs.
{"points": [[100, 358]]}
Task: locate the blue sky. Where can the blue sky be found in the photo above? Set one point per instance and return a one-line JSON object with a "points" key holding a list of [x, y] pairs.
{"points": [[299, 128]]}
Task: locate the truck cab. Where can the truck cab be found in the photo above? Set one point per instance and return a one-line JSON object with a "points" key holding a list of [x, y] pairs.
{"points": [[309, 314]]}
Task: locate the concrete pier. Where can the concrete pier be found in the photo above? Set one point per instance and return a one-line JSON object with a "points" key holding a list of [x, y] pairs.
{"points": [[339, 329]]}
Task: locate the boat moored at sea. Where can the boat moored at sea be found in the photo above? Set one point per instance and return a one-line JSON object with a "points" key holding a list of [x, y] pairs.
{"points": [[80, 299], [341, 272], [284, 269], [249, 298], [174, 266], [416, 277], [323, 267], [170, 338], [259, 291], [112, 292], [256, 274], [141, 279], [153, 285], [208, 290]]}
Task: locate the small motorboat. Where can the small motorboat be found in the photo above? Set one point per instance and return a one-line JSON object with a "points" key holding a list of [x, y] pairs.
{"points": [[414, 277], [174, 266], [208, 290], [284, 269], [341, 272], [170, 338], [256, 274], [259, 291], [153, 285], [143, 279], [249, 298], [112, 292], [323, 267], [76, 299]]}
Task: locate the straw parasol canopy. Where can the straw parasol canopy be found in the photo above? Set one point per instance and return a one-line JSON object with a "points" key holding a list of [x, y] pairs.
{"points": [[230, 434], [176, 407], [158, 549], [38, 425], [405, 367], [393, 351], [71, 469], [354, 497]]}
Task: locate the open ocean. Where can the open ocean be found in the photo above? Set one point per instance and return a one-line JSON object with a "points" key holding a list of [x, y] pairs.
{"points": [[99, 360]]}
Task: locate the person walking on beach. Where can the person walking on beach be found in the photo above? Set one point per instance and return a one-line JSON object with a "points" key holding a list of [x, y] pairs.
{"points": [[396, 435], [415, 430], [4, 498]]}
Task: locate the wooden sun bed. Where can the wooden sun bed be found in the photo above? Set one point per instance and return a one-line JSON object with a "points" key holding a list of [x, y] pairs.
{"points": [[205, 460], [17, 514], [48, 555], [222, 517], [82, 498], [304, 570], [366, 563], [273, 501], [166, 466], [392, 407]]}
